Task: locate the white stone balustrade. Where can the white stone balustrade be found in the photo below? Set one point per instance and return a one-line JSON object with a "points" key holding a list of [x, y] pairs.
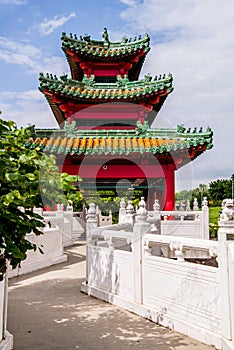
{"points": [[170, 289], [51, 243], [6, 339]]}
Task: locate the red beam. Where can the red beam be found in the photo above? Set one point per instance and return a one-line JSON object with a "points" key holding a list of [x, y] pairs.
{"points": [[114, 171]]}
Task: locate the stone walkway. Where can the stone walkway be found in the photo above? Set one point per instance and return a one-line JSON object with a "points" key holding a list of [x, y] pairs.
{"points": [[47, 311]]}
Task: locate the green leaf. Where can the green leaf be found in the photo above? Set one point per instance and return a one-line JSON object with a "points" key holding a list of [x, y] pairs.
{"points": [[31, 177]]}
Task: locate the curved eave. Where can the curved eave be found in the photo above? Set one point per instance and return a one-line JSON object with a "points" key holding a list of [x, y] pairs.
{"points": [[165, 150], [59, 115], [144, 94], [76, 72]]}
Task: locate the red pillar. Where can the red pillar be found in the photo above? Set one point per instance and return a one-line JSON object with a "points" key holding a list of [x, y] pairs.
{"points": [[170, 188]]}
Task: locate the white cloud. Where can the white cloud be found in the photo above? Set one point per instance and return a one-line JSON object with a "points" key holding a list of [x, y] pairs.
{"points": [[31, 57], [128, 2], [49, 25], [18, 52], [26, 107], [193, 40], [13, 2]]}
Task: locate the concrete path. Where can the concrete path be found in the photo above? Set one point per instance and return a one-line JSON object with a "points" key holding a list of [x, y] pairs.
{"points": [[47, 311]]}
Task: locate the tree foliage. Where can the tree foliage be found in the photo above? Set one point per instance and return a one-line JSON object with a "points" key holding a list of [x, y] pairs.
{"points": [[28, 179], [221, 189]]}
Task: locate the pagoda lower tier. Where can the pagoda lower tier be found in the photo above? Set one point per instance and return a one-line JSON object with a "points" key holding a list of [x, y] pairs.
{"points": [[129, 159]]}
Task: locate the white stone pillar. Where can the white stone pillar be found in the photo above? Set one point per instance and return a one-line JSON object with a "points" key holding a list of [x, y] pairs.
{"points": [[68, 224], [226, 268], [122, 211], [205, 219], [91, 223], [157, 216], [195, 204], [60, 218], [141, 227]]}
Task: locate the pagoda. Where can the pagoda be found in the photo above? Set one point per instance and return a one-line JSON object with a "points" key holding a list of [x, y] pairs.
{"points": [[105, 112]]}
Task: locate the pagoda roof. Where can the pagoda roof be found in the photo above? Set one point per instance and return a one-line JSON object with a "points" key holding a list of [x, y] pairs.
{"points": [[159, 142], [85, 49], [99, 50], [148, 90]]}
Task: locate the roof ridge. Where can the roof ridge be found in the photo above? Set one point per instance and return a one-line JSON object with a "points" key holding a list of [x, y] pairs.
{"points": [[85, 41]]}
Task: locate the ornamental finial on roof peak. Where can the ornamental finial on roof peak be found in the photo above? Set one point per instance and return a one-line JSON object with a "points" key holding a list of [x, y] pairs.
{"points": [[105, 36]]}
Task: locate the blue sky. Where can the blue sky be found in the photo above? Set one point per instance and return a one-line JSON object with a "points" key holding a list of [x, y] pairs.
{"points": [[192, 39]]}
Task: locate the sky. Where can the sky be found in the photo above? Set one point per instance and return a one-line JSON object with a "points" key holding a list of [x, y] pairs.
{"points": [[192, 39]]}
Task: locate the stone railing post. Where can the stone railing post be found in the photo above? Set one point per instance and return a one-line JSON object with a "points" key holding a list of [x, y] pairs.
{"points": [[91, 224], [122, 211], [91, 221], [188, 205], [226, 268], [130, 213], [195, 204], [157, 216], [205, 219], [141, 226], [69, 224], [60, 218]]}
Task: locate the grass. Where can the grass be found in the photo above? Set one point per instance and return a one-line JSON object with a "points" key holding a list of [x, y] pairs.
{"points": [[214, 214]]}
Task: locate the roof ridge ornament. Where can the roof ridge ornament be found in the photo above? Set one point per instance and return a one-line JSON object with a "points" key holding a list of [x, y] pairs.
{"points": [[122, 81], [88, 81], [105, 36], [70, 129], [141, 129], [181, 128]]}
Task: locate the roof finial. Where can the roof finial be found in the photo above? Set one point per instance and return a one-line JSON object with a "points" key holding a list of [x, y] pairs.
{"points": [[105, 37]]}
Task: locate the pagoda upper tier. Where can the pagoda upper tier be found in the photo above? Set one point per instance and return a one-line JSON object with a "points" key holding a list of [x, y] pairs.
{"points": [[105, 58], [104, 73]]}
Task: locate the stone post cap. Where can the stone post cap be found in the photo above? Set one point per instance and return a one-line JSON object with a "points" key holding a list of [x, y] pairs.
{"points": [[91, 213], [156, 206], [142, 212], [130, 208], [122, 203], [205, 202]]}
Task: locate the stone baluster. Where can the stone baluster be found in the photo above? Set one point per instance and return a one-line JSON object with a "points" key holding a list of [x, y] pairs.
{"points": [[69, 205], [226, 267], [99, 214], [195, 204], [60, 207], [141, 227], [130, 213], [122, 211], [91, 220], [68, 224], [110, 217], [205, 219], [157, 217], [60, 218], [188, 205], [156, 208], [91, 224], [181, 206], [130, 208]]}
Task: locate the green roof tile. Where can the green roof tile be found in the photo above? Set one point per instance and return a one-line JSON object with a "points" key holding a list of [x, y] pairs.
{"points": [[122, 89], [104, 48]]}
